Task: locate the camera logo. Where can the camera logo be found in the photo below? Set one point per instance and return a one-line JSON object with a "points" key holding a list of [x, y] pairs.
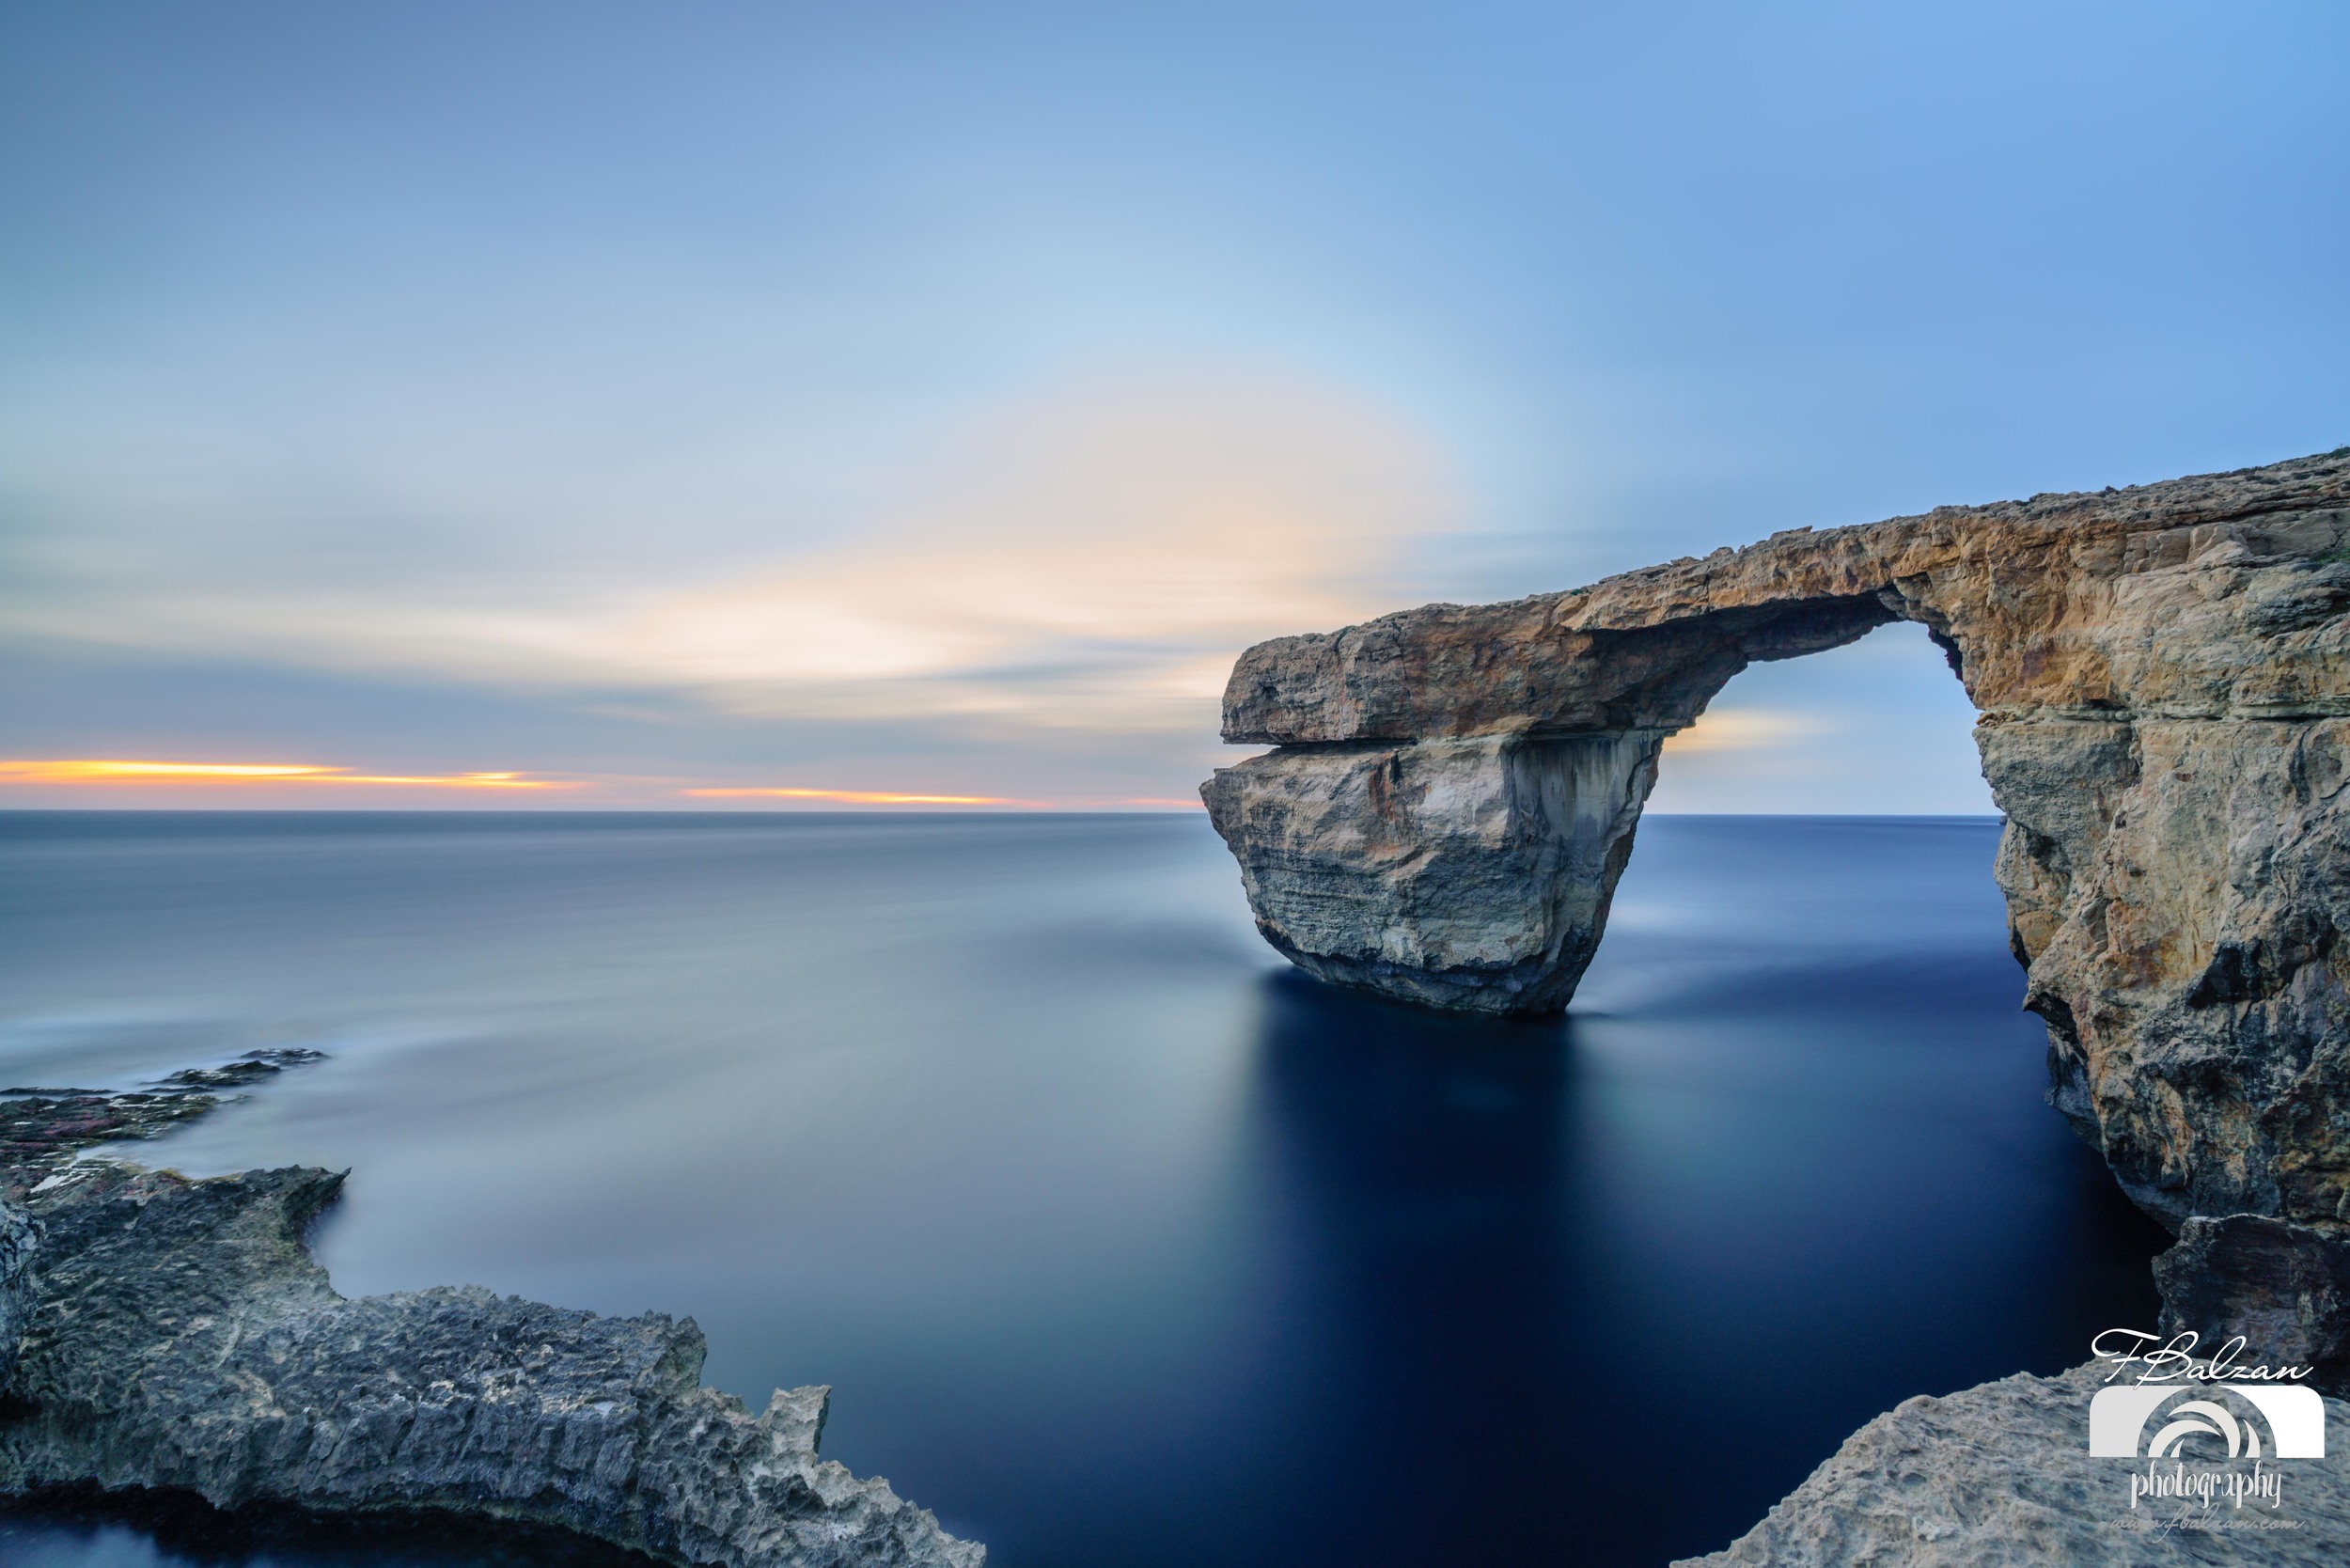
{"points": [[2120, 1419]]}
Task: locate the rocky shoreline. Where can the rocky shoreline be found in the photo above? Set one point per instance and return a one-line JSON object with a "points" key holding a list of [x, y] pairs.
{"points": [[2000, 1476], [173, 1336], [42, 1129]]}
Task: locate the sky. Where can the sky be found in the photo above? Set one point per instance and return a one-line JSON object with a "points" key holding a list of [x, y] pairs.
{"points": [[919, 405]]}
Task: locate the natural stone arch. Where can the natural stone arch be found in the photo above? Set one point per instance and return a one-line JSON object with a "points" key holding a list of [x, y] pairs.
{"points": [[2161, 676]]}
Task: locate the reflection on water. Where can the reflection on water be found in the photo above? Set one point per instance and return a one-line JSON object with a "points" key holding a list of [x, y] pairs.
{"points": [[169, 1529], [1120, 1241]]}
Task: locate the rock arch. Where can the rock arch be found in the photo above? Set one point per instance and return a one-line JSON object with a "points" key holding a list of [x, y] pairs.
{"points": [[2162, 678]]}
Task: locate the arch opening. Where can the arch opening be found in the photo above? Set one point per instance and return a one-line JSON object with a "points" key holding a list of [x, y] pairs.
{"points": [[1875, 728]]}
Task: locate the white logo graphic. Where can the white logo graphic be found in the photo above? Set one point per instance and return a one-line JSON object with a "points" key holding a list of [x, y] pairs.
{"points": [[2120, 1419]]}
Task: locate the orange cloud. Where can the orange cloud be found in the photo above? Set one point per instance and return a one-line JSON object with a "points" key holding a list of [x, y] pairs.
{"points": [[99, 771], [1745, 730], [1089, 559], [868, 797]]}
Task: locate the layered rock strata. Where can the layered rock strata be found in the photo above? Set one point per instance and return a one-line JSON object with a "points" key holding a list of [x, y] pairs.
{"points": [[2163, 681], [175, 1334], [2001, 1475]]}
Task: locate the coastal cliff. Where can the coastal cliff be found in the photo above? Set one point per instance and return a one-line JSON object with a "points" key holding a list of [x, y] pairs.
{"points": [[2162, 676]]}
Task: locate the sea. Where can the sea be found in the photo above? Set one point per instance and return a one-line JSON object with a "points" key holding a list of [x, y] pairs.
{"points": [[1119, 1241]]}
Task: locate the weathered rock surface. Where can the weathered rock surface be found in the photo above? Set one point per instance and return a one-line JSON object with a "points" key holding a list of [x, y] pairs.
{"points": [[44, 1129], [17, 1243], [2000, 1474], [176, 1334], [2163, 679]]}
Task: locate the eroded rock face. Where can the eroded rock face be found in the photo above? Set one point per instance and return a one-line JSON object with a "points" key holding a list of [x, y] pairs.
{"points": [[18, 1242], [2162, 679]]}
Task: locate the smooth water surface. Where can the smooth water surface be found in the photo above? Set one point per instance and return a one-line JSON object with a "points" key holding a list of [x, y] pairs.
{"points": [[1119, 1241]]}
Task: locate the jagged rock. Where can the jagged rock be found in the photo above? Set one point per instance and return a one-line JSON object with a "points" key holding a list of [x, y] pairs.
{"points": [[2280, 1285], [176, 1334], [18, 1241], [2163, 679], [251, 1068], [2001, 1473]]}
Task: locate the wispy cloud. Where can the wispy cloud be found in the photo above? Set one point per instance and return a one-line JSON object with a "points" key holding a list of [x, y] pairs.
{"points": [[857, 797], [1747, 729], [1093, 558], [93, 781], [108, 771]]}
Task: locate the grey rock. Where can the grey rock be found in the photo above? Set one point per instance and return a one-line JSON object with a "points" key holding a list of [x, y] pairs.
{"points": [[2000, 1474], [42, 1130], [2278, 1284], [2162, 679], [18, 1243], [251, 1068], [181, 1336], [1471, 873]]}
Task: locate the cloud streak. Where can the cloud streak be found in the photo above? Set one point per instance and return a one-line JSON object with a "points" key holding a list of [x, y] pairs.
{"points": [[1747, 729], [108, 771], [74, 781], [1090, 559], [857, 797]]}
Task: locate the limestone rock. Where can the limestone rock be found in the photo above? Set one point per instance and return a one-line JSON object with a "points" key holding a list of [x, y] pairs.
{"points": [[158, 1332], [2001, 1473], [181, 1336], [2162, 679]]}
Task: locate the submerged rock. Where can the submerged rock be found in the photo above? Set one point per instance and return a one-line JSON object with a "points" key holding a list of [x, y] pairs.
{"points": [[175, 1334], [2163, 679], [2000, 1474], [42, 1130]]}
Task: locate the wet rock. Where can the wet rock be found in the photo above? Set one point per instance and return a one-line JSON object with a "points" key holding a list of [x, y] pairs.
{"points": [[41, 1132], [44, 1129], [251, 1068]]}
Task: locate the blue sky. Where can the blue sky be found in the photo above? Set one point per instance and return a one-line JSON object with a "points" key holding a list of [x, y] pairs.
{"points": [[929, 398]]}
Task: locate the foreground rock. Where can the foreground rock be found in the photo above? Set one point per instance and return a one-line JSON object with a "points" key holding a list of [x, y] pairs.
{"points": [[2163, 678], [2000, 1474], [178, 1335], [18, 1242]]}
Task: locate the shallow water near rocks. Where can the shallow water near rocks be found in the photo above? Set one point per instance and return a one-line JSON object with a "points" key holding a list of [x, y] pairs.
{"points": [[1119, 1241]]}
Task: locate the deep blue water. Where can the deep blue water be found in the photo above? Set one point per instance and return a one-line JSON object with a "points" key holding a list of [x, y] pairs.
{"points": [[1120, 1241]]}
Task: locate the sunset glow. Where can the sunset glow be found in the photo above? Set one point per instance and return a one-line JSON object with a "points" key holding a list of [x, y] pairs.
{"points": [[1745, 730], [107, 770], [865, 797]]}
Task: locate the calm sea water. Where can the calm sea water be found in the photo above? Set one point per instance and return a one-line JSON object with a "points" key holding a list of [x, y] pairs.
{"points": [[1120, 1241]]}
